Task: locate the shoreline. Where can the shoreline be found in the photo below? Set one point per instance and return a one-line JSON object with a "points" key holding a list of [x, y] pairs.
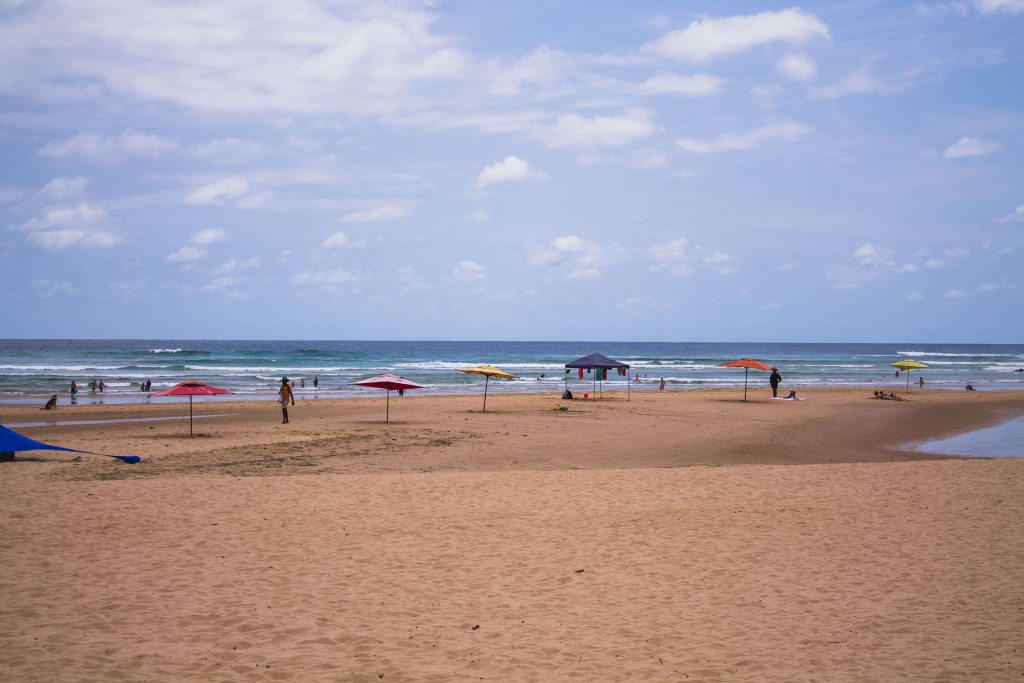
{"points": [[88, 398]]}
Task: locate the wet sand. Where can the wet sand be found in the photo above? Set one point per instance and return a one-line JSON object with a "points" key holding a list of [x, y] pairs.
{"points": [[676, 536]]}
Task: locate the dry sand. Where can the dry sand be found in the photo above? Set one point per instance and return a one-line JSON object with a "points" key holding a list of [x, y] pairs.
{"points": [[609, 542]]}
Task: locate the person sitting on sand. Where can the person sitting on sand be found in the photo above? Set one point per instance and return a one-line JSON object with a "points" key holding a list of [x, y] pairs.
{"points": [[567, 395], [51, 404], [894, 397], [969, 387], [792, 394]]}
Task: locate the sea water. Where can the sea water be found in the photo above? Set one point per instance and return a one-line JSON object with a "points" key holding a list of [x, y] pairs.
{"points": [[1002, 441], [33, 369]]}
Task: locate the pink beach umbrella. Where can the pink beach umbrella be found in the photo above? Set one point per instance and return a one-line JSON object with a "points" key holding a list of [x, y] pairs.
{"points": [[192, 388], [388, 381]]}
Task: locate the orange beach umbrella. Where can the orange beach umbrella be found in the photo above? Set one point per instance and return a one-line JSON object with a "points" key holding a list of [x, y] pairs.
{"points": [[747, 364]]}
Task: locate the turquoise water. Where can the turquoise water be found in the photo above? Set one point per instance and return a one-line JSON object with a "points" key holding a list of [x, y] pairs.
{"points": [[1002, 441], [33, 369]]}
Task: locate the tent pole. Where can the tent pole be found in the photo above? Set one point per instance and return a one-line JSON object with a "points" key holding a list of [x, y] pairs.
{"points": [[190, 414], [628, 380], [746, 371], [487, 380], [387, 407]]}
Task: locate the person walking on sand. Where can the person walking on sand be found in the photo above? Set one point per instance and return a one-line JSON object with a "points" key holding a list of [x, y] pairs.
{"points": [[285, 395], [774, 381]]}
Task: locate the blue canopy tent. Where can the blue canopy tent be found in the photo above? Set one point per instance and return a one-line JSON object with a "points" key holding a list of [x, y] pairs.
{"points": [[10, 442], [601, 364]]}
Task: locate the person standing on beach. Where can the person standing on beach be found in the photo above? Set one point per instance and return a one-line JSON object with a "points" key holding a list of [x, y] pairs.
{"points": [[316, 382], [102, 386], [285, 395], [920, 382], [92, 385], [774, 380], [661, 384]]}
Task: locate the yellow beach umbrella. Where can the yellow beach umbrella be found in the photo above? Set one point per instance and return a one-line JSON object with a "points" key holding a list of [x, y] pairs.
{"points": [[906, 366], [487, 371]]}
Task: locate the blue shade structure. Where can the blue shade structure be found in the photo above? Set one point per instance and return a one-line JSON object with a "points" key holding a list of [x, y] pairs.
{"points": [[11, 441]]}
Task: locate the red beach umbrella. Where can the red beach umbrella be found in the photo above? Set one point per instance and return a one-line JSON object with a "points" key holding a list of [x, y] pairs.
{"points": [[192, 388], [388, 381], [747, 364]]}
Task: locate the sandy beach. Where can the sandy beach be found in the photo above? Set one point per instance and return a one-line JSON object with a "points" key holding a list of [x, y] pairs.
{"points": [[674, 536]]}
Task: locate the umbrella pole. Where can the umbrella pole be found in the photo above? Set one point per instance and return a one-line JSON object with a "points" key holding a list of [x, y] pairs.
{"points": [[190, 414], [487, 380], [387, 407], [908, 381], [746, 371], [628, 379]]}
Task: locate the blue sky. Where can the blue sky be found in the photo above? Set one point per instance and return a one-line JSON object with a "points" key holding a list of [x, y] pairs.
{"points": [[668, 171]]}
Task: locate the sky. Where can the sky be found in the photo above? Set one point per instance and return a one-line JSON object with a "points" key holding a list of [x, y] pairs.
{"points": [[641, 171]]}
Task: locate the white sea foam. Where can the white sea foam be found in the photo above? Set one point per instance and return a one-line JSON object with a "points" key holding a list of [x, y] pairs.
{"points": [[165, 350], [958, 355]]}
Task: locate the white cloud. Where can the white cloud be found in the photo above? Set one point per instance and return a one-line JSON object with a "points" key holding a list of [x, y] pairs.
{"points": [[869, 254], [782, 132], [913, 296], [858, 82], [234, 265], [340, 240], [787, 266], [223, 283], [696, 85], [954, 294], [63, 187], [970, 147], [993, 6], [79, 214], [466, 271], [208, 236], [218, 192], [573, 130], [584, 258], [720, 262], [706, 39], [324, 278], [308, 57], [1015, 216], [227, 151], [770, 306], [480, 216], [583, 273], [57, 240], [186, 254], [796, 67], [670, 251], [509, 169], [91, 147], [384, 212]]}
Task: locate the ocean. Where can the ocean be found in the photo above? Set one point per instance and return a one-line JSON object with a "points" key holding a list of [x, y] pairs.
{"points": [[33, 369]]}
